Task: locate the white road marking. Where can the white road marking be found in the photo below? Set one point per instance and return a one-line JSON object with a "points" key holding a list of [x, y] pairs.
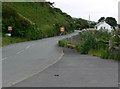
{"points": [[28, 47], [58, 58], [33, 44], [4, 58], [20, 52]]}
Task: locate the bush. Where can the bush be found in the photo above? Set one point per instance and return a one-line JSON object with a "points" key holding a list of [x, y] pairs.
{"points": [[105, 54], [117, 55], [102, 35], [62, 43], [88, 43], [8, 11], [11, 18]]}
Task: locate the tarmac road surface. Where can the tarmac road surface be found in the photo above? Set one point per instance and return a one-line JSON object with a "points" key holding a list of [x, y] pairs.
{"points": [[23, 60], [76, 70]]}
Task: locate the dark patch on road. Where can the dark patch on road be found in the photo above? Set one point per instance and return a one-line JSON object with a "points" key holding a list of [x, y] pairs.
{"points": [[76, 70]]}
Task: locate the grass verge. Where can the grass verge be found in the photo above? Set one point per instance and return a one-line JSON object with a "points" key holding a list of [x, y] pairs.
{"points": [[11, 40]]}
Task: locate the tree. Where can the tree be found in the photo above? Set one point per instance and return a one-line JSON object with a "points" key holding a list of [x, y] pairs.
{"points": [[80, 23], [101, 19], [51, 3], [58, 10], [111, 21], [118, 25]]}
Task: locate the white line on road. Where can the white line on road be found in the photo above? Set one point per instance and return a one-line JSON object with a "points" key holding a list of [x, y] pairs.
{"points": [[4, 58], [28, 47], [58, 58], [20, 52], [33, 44]]}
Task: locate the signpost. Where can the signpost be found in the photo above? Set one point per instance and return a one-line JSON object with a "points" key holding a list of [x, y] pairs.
{"points": [[62, 29], [9, 29]]}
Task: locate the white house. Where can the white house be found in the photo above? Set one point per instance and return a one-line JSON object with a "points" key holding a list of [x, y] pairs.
{"points": [[103, 25]]}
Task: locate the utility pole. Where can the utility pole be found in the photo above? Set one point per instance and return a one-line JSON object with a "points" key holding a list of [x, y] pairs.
{"points": [[89, 21]]}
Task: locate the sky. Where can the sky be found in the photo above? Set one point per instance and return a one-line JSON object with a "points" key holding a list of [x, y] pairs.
{"points": [[83, 8]]}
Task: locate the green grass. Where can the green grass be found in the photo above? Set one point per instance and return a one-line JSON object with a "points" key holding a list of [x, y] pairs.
{"points": [[95, 52], [11, 40], [62, 43], [23, 15], [0, 39], [0, 34], [38, 14]]}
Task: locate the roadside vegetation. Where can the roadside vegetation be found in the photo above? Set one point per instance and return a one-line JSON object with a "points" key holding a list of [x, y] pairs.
{"points": [[32, 21], [80, 23], [12, 40], [96, 43]]}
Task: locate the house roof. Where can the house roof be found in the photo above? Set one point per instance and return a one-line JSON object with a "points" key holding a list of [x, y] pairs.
{"points": [[101, 23]]}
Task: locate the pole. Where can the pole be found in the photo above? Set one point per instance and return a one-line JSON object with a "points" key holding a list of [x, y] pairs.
{"points": [[89, 21]]}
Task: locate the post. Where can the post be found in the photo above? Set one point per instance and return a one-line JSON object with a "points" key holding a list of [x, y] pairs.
{"points": [[10, 29], [62, 29], [89, 22], [110, 44]]}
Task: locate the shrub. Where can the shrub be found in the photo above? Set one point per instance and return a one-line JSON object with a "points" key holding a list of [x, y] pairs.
{"points": [[102, 35], [105, 54], [87, 43], [62, 43], [117, 55], [8, 11]]}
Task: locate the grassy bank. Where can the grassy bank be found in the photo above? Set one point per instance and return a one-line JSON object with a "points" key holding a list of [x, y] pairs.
{"points": [[11, 40], [33, 21], [5, 40], [0, 39]]}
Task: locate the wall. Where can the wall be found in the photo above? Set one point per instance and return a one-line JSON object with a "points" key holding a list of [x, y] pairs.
{"points": [[104, 25]]}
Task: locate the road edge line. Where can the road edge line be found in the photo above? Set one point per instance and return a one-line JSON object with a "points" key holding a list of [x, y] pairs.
{"points": [[58, 59]]}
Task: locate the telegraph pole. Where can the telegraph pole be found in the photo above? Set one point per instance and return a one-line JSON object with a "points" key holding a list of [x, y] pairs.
{"points": [[89, 21]]}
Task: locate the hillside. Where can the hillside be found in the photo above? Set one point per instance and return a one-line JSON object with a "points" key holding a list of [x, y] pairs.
{"points": [[34, 20]]}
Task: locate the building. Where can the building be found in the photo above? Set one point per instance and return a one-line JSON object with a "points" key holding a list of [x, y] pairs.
{"points": [[103, 25]]}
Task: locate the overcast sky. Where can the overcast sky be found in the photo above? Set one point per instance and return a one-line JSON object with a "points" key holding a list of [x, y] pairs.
{"points": [[84, 8]]}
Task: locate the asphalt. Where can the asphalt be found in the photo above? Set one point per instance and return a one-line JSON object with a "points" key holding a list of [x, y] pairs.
{"points": [[76, 70], [23, 60]]}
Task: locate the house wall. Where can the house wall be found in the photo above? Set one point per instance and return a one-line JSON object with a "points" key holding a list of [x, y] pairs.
{"points": [[104, 26]]}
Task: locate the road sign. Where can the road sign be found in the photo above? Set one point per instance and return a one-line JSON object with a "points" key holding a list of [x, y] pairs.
{"points": [[9, 28], [62, 29]]}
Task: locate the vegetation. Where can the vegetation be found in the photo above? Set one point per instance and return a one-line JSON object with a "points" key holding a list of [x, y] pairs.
{"points": [[101, 19], [62, 43], [96, 44], [87, 42], [119, 26], [12, 40], [34, 20], [110, 20], [80, 23]]}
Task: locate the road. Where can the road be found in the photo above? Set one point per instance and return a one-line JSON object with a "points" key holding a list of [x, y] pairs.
{"points": [[23, 60], [75, 70]]}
